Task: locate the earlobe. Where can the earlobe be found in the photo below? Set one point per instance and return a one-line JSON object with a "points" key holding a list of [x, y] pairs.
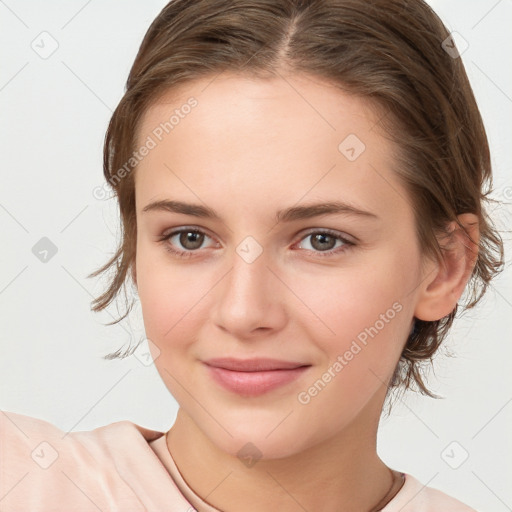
{"points": [[443, 283]]}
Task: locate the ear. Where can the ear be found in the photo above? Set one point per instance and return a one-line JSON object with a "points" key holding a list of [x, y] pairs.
{"points": [[443, 284]]}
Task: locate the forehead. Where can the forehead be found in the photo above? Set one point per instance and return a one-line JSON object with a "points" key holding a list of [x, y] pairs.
{"points": [[281, 138], [242, 99]]}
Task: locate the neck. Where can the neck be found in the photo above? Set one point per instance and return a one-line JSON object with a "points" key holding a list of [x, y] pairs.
{"points": [[342, 472]]}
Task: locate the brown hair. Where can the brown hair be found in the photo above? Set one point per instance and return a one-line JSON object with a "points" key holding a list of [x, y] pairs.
{"points": [[390, 52]]}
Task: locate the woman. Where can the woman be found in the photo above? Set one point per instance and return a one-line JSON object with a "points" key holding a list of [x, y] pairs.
{"points": [[302, 211]]}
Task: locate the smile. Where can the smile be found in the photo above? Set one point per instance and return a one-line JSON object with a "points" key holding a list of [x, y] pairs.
{"points": [[253, 377]]}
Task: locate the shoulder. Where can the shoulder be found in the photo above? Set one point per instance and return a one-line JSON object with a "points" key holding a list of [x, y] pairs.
{"points": [[46, 444], [44, 468], [416, 497]]}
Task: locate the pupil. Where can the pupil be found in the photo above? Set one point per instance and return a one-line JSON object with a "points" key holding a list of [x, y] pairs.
{"points": [[191, 240], [319, 242]]}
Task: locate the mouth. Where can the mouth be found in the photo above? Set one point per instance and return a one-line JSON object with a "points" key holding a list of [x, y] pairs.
{"points": [[253, 377]]}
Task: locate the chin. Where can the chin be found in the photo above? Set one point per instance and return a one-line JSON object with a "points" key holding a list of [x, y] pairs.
{"points": [[265, 438]]}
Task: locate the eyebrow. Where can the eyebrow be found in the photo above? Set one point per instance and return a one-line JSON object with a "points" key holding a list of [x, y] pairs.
{"points": [[291, 214]]}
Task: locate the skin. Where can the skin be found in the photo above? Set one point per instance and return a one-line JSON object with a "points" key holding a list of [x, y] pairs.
{"points": [[248, 149]]}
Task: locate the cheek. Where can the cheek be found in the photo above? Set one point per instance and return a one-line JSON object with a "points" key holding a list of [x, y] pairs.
{"points": [[170, 308], [346, 305], [364, 326], [176, 302], [168, 312], [358, 318], [167, 297]]}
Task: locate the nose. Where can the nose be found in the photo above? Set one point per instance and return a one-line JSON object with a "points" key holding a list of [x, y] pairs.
{"points": [[250, 299]]}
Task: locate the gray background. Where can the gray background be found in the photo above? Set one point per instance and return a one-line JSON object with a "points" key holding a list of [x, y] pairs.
{"points": [[55, 109]]}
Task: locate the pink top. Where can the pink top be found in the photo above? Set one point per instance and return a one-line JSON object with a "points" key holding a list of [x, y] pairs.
{"points": [[122, 467]]}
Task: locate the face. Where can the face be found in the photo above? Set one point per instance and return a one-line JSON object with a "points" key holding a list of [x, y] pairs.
{"points": [[275, 308]]}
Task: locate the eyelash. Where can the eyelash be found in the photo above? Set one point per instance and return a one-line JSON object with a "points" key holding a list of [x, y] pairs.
{"points": [[348, 244]]}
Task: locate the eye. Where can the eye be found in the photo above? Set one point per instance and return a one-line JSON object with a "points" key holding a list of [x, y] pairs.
{"points": [[326, 242], [184, 242]]}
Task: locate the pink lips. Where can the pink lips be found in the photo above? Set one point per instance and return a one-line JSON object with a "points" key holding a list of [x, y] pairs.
{"points": [[253, 377]]}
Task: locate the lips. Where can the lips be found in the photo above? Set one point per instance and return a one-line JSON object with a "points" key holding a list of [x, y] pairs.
{"points": [[253, 377], [253, 365]]}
